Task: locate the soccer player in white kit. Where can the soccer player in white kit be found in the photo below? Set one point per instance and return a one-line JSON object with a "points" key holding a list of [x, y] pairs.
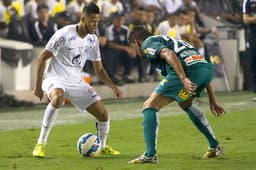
{"points": [[69, 48]]}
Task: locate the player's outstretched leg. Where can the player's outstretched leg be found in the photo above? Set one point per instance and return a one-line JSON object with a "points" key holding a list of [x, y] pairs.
{"points": [[49, 119], [150, 129], [200, 121]]}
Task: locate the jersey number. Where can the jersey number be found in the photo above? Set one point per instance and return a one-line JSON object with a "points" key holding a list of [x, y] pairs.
{"points": [[178, 45]]}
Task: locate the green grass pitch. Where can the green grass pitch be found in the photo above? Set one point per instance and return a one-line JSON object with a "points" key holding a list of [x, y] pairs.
{"points": [[180, 145]]}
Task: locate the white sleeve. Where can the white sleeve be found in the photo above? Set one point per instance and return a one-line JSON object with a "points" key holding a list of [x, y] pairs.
{"points": [[56, 42], [95, 52]]}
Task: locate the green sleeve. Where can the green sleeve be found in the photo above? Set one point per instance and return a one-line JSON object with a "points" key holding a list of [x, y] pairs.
{"points": [[151, 50]]}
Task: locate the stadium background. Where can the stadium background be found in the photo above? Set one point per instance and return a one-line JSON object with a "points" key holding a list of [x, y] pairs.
{"points": [[18, 58]]}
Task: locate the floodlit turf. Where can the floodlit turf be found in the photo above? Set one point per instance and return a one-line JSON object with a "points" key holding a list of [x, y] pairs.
{"points": [[180, 145]]}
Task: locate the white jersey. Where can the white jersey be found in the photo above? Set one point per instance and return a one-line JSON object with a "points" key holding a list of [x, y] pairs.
{"points": [[70, 53]]}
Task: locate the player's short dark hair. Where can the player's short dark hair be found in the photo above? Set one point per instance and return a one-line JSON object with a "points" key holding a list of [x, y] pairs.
{"points": [[91, 8], [138, 33]]}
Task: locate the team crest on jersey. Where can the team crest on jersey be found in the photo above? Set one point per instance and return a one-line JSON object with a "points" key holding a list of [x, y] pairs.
{"points": [[150, 51], [60, 42], [76, 61]]}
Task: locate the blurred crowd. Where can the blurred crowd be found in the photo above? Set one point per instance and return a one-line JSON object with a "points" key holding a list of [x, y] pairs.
{"points": [[35, 21]]}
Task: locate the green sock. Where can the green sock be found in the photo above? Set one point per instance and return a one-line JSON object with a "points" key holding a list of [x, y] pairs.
{"points": [[200, 121], [150, 129]]}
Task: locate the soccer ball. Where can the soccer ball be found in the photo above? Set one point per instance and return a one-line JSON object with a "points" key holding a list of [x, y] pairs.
{"points": [[89, 145]]}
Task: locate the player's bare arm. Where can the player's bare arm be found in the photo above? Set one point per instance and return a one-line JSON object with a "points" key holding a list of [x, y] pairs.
{"points": [[43, 57], [216, 109], [103, 76], [248, 19], [127, 49], [171, 58]]}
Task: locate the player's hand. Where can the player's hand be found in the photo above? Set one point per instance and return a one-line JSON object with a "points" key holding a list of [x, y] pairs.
{"points": [[118, 93], [216, 109], [39, 93], [190, 87], [131, 52]]}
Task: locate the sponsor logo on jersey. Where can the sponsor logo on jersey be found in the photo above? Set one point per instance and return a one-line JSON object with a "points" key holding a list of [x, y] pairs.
{"points": [[76, 61], [194, 59], [150, 51]]}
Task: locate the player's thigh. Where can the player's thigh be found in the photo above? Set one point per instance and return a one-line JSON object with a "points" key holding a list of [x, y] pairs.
{"points": [[171, 87], [81, 95], [157, 101], [201, 76], [55, 90]]}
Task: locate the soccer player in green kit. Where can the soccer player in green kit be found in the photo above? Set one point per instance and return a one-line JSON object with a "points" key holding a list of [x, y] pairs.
{"points": [[186, 75]]}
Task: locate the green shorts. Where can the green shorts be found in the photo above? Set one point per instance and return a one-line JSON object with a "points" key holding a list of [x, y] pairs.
{"points": [[171, 85]]}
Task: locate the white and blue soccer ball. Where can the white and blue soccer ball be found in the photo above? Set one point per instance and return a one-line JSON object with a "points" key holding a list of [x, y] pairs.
{"points": [[89, 145]]}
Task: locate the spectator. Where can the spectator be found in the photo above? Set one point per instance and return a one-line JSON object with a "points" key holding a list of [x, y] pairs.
{"points": [[62, 19], [170, 27], [56, 6], [138, 17], [171, 6], [249, 18], [6, 13], [30, 9], [110, 7], [232, 11], [117, 34], [152, 4], [188, 30], [74, 8], [43, 28]]}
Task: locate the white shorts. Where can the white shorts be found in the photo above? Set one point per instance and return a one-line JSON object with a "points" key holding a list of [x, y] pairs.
{"points": [[81, 94]]}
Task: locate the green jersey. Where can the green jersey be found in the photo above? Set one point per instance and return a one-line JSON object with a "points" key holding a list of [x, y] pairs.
{"points": [[186, 53]]}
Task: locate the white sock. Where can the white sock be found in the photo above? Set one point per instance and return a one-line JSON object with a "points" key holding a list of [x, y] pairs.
{"points": [[50, 116], [102, 132]]}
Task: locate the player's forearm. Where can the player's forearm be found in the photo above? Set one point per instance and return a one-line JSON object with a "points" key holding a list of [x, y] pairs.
{"points": [[117, 46], [175, 63], [103, 76], [211, 93], [40, 72], [43, 57], [249, 19]]}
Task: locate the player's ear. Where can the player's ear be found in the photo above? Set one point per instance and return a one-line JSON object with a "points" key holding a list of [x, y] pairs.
{"points": [[83, 18]]}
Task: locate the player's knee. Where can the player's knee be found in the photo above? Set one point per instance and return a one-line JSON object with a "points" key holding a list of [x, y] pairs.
{"points": [[57, 98], [146, 104], [103, 116], [185, 104]]}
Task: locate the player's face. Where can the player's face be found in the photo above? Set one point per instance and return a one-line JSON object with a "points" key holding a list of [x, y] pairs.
{"points": [[90, 22]]}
